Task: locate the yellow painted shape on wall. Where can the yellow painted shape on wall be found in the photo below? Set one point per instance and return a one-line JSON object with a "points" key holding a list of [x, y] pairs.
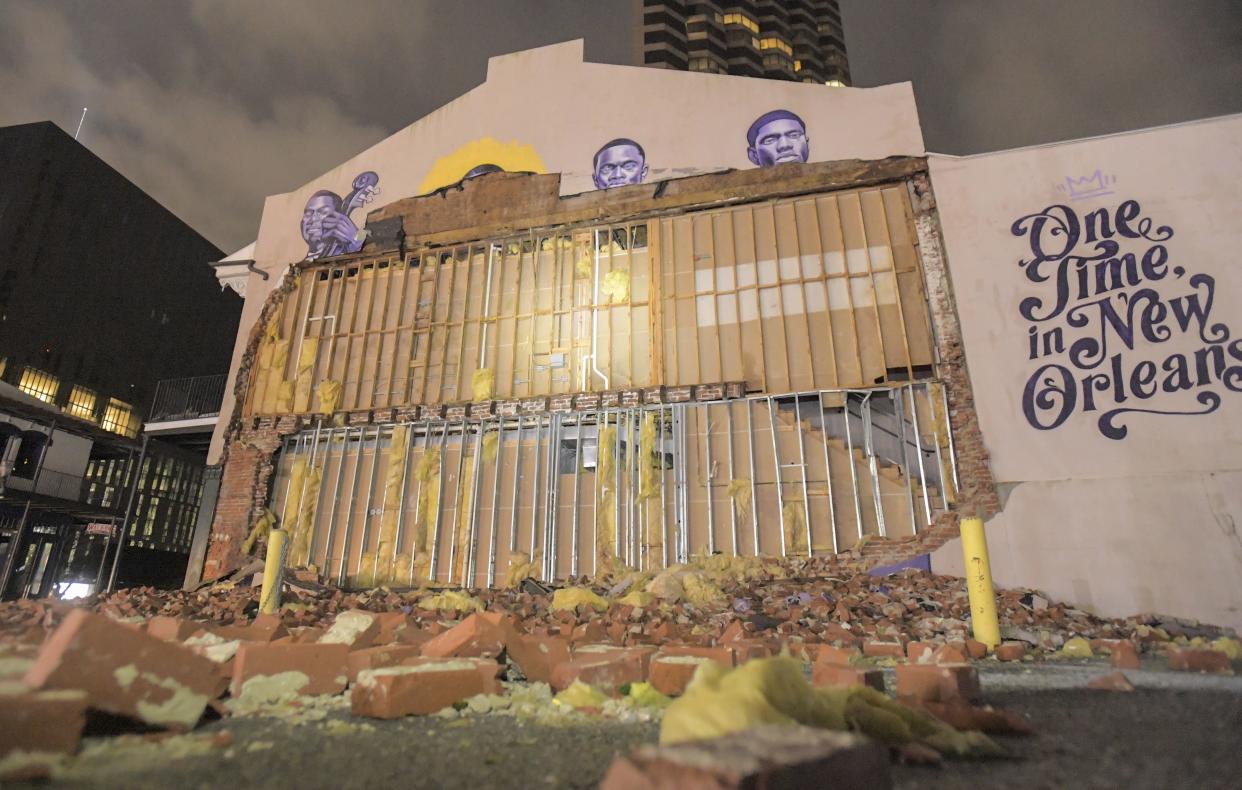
{"points": [[513, 157]]}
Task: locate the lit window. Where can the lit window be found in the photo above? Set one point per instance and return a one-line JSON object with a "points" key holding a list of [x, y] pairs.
{"points": [[119, 418], [81, 403], [776, 43], [743, 20], [40, 384], [835, 84], [797, 65]]}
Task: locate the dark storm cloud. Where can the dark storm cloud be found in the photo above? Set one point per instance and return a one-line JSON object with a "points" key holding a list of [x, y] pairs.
{"points": [[992, 75], [210, 105]]}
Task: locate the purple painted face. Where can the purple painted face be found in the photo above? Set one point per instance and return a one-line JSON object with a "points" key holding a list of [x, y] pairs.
{"points": [[618, 166], [317, 209], [780, 141]]}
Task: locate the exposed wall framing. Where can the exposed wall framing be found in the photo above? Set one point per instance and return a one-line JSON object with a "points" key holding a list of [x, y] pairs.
{"points": [[818, 291]]}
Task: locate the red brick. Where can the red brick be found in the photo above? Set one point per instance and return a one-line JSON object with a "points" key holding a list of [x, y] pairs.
{"points": [[1010, 651], [1124, 655], [487, 669], [42, 721], [734, 631], [592, 631], [674, 666], [949, 654], [607, 669], [125, 672], [171, 629], [773, 757], [393, 692], [536, 656], [378, 657], [325, 665], [352, 628], [476, 636], [920, 652], [938, 682], [876, 649], [824, 673], [976, 649], [831, 654], [1113, 681], [1189, 659]]}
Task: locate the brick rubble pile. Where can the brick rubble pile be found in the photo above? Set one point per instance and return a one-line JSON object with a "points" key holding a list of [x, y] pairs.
{"points": [[621, 645]]}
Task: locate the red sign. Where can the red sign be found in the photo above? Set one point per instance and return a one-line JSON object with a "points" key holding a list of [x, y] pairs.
{"points": [[100, 528]]}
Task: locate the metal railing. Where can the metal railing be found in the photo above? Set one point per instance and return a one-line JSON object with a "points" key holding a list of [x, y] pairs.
{"points": [[188, 398], [797, 473]]}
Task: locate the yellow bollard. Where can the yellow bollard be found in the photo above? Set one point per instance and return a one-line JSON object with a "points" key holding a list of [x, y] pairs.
{"points": [[979, 583], [273, 571]]}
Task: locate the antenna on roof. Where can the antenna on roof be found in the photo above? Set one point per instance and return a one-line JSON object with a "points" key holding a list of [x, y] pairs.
{"points": [[80, 122]]}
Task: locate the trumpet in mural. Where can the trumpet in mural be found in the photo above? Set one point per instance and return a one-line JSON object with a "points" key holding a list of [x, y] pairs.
{"points": [[327, 227]]}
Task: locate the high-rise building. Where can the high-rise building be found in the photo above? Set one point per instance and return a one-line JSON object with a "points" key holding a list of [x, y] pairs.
{"points": [[798, 40]]}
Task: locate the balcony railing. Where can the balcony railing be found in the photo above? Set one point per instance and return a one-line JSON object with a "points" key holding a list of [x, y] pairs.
{"points": [[188, 398]]}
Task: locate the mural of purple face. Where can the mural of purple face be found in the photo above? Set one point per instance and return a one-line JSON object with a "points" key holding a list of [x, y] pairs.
{"points": [[777, 137], [618, 163], [326, 225]]}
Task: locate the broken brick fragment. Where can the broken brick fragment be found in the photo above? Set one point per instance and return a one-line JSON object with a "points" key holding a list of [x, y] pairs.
{"points": [[171, 629], [1113, 681], [323, 668], [962, 715], [608, 668], [824, 673], [774, 757], [352, 628], [487, 669], [42, 721], [1191, 659], [378, 657], [394, 692], [831, 654], [673, 667], [536, 656], [476, 636], [877, 649], [938, 682], [1124, 655], [1010, 651], [125, 672]]}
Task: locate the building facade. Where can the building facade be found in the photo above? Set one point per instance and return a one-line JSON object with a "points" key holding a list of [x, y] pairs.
{"points": [[775, 327], [799, 40], [103, 293]]}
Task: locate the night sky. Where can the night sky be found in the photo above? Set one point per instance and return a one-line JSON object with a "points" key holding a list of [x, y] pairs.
{"points": [[209, 105]]}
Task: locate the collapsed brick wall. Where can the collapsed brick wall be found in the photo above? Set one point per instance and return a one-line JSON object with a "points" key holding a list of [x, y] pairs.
{"points": [[977, 495], [251, 443], [248, 455]]}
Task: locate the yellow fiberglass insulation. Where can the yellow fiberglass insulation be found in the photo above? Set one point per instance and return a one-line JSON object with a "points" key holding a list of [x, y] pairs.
{"points": [[605, 514], [451, 600], [795, 529], [274, 396], [615, 286], [482, 384], [491, 441], [299, 556], [700, 590], [465, 496], [329, 391], [521, 568], [302, 378], [262, 526], [394, 483], [649, 466], [570, 598], [720, 701], [739, 491], [293, 495]]}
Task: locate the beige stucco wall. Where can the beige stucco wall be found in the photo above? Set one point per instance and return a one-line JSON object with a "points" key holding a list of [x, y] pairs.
{"points": [[547, 110], [1123, 524]]}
